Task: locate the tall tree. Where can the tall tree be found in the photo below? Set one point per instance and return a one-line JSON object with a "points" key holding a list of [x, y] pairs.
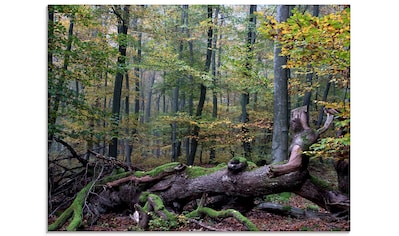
{"points": [[123, 21], [212, 153], [191, 79], [310, 75], [280, 107], [136, 73], [200, 107], [247, 73]]}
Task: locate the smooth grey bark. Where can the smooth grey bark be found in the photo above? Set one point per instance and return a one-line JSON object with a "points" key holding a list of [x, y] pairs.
{"points": [[147, 113], [212, 152], [280, 122], [191, 81], [122, 16]]}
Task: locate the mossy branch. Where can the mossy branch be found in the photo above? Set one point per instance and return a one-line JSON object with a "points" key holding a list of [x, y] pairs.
{"points": [[223, 214], [75, 210]]}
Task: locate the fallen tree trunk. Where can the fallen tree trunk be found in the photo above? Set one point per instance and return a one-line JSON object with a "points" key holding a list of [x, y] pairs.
{"points": [[171, 189]]}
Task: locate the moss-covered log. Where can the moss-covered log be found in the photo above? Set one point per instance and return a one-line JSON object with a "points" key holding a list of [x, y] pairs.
{"points": [[168, 189]]}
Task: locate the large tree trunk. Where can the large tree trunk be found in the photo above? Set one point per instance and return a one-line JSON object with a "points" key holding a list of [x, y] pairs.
{"points": [[280, 123]]}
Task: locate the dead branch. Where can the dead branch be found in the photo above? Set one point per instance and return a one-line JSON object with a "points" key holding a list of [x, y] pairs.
{"points": [[73, 152]]}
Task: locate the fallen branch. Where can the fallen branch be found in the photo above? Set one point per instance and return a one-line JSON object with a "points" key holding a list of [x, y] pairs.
{"points": [[203, 225], [72, 151], [75, 211], [291, 211]]}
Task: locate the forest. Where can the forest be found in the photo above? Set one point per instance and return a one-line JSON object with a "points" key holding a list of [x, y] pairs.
{"points": [[198, 117]]}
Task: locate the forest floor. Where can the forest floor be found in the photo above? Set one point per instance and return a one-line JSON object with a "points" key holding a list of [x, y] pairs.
{"points": [[263, 220]]}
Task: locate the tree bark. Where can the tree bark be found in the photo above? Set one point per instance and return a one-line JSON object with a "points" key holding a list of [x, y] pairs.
{"points": [[200, 107], [280, 123], [245, 95], [122, 16], [212, 152]]}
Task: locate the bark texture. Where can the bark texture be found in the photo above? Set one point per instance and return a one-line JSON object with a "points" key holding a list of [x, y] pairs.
{"points": [[280, 123]]}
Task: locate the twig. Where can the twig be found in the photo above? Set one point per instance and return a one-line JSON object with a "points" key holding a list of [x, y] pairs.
{"points": [[111, 159], [204, 225]]}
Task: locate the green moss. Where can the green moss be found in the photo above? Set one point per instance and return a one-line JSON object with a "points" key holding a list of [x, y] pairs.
{"points": [[312, 207], [157, 221], [278, 197], [115, 177], [157, 170], [223, 214], [321, 183], [251, 165], [287, 208], [75, 210], [240, 159], [143, 197], [196, 171]]}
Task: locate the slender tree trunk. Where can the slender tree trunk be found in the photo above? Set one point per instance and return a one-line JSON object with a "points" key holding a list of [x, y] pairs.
{"points": [[147, 114], [245, 95], [310, 75], [128, 145], [104, 110], [212, 152], [116, 102], [280, 123], [194, 142], [191, 80], [175, 101]]}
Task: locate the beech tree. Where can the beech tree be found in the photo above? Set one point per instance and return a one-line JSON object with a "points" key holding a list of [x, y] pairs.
{"points": [[280, 122]]}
